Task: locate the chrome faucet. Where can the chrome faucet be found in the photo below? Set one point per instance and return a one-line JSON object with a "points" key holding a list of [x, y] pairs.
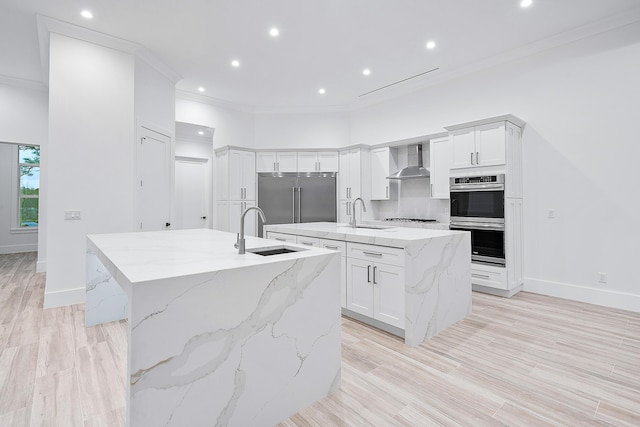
{"points": [[353, 212], [240, 242]]}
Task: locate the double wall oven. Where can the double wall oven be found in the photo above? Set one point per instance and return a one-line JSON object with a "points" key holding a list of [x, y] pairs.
{"points": [[477, 206]]}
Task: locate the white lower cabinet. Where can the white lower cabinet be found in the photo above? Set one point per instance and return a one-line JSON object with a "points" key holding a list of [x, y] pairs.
{"points": [[281, 237], [337, 245], [376, 289], [308, 241]]}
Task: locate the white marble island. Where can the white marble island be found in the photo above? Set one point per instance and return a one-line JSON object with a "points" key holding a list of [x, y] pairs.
{"points": [[216, 338], [411, 282]]}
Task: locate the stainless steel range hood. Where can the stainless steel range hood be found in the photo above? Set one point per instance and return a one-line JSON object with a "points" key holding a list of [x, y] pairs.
{"points": [[415, 169]]}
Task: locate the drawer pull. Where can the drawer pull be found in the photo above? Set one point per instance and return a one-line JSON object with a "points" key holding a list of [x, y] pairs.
{"points": [[307, 243], [282, 239], [335, 248], [368, 274], [374, 275], [372, 253], [481, 276]]}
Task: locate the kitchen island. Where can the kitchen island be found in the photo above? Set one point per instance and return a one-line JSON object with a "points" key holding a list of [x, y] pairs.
{"points": [[411, 282], [214, 337]]}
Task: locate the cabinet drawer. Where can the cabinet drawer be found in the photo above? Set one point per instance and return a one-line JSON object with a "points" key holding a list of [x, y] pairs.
{"points": [[373, 253], [485, 275], [335, 245], [282, 237], [308, 241]]}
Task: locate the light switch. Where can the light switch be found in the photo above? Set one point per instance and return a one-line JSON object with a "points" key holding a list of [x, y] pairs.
{"points": [[71, 215], [551, 213]]}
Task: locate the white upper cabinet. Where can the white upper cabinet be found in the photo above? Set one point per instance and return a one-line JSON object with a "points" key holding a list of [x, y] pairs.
{"points": [[439, 164], [479, 146], [277, 161], [350, 169], [383, 163], [322, 161], [236, 175]]}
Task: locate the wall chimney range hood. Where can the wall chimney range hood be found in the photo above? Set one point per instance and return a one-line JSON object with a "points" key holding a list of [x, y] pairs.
{"points": [[415, 169]]}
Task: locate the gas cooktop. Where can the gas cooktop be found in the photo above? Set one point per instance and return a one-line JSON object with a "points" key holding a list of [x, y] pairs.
{"points": [[410, 219]]}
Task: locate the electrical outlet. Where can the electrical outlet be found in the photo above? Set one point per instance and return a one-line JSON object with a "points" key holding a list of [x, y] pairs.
{"points": [[551, 213], [602, 277], [71, 215]]}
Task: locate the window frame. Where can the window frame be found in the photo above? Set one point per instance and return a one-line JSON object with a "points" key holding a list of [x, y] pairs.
{"points": [[17, 195]]}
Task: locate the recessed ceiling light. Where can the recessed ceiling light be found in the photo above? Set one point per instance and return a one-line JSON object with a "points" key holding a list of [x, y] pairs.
{"points": [[200, 89], [322, 91], [366, 71], [86, 14], [431, 44], [235, 63], [274, 32], [200, 132], [526, 3]]}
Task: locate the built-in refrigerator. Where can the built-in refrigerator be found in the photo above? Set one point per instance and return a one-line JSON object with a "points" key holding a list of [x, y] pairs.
{"points": [[287, 198]]}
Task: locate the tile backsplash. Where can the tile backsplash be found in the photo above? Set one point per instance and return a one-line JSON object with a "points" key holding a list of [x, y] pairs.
{"points": [[413, 202]]}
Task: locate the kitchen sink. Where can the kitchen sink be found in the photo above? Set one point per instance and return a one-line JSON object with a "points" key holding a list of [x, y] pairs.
{"points": [[273, 251]]}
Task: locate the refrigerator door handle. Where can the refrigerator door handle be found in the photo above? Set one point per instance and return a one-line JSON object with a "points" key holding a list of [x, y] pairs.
{"points": [[299, 203], [293, 204]]}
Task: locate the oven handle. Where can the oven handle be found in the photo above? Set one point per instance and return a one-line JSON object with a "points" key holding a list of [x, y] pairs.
{"points": [[476, 226], [456, 188]]}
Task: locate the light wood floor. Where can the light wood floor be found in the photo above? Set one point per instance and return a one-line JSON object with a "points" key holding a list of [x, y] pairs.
{"points": [[530, 360]]}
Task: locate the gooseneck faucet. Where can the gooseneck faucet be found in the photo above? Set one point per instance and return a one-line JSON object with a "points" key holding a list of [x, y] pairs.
{"points": [[240, 243], [353, 215]]}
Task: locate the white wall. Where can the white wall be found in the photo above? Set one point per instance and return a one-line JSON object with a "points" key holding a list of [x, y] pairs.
{"points": [[581, 153], [12, 239], [302, 130], [89, 156], [232, 127], [24, 119]]}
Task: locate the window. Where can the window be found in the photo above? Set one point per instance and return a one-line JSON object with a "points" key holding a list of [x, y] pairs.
{"points": [[29, 185]]}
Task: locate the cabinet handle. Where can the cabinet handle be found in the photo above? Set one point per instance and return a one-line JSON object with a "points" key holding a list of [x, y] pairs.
{"points": [[368, 274], [274, 167], [431, 190], [349, 208], [477, 158], [282, 239], [335, 248], [307, 243], [481, 276], [471, 158], [374, 275], [387, 191], [372, 253], [278, 165]]}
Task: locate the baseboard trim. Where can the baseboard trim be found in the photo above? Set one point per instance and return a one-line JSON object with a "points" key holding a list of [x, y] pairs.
{"points": [[41, 267], [17, 249], [607, 298], [63, 298], [497, 292]]}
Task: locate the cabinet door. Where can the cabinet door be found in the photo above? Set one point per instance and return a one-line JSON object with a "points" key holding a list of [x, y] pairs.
{"points": [[388, 294], [222, 216], [287, 161], [440, 162], [307, 161], [344, 174], [379, 174], [281, 237], [344, 212], [359, 286], [355, 174], [235, 210], [249, 175], [236, 177], [222, 173], [250, 220], [328, 161], [462, 148], [490, 144], [266, 161]]}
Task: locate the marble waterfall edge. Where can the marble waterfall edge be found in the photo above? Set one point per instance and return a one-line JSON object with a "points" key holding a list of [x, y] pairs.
{"points": [[437, 286], [105, 300]]}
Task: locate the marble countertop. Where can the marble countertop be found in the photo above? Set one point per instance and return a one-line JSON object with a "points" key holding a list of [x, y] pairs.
{"points": [[396, 237], [146, 256]]}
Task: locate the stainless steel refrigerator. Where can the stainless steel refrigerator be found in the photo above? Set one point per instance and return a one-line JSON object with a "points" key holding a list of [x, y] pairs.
{"points": [[289, 198]]}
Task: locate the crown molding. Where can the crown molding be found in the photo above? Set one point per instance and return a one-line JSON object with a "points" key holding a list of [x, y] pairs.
{"points": [[47, 25], [188, 96], [594, 28], [302, 109], [22, 83]]}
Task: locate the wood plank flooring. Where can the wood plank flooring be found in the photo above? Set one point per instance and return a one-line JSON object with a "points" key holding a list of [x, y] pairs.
{"points": [[530, 360]]}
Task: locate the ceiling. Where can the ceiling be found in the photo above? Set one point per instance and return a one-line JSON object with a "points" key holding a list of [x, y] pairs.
{"points": [[322, 43]]}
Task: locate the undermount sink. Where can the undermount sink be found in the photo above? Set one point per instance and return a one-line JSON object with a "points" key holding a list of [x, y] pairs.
{"points": [[273, 251]]}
